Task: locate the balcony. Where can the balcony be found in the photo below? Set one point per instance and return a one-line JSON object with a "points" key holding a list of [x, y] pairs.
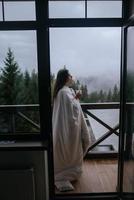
{"points": [[12, 115], [100, 163]]}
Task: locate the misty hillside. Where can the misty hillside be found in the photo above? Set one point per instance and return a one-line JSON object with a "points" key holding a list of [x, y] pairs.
{"points": [[98, 83]]}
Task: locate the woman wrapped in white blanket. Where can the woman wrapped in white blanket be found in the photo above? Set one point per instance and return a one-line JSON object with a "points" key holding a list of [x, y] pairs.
{"points": [[71, 137]]}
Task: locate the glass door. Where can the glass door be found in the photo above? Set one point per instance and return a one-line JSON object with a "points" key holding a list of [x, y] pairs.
{"points": [[127, 121]]}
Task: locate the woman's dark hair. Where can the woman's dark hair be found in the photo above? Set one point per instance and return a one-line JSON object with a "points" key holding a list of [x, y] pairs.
{"points": [[61, 79]]}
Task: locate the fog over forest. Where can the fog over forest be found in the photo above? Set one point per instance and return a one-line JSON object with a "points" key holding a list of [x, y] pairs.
{"points": [[96, 83]]}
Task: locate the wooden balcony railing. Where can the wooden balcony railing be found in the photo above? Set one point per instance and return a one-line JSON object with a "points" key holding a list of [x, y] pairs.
{"points": [[20, 111], [87, 107], [25, 113]]}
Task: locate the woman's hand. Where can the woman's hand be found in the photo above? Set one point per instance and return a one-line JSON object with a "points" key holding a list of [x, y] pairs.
{"points": [[78, 94]]}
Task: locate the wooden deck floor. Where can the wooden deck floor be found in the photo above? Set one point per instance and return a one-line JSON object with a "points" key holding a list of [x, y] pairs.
{"points": [[98, 176]]}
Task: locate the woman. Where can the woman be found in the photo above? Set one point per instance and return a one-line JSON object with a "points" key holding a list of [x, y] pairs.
{"points": [[71, 137]]}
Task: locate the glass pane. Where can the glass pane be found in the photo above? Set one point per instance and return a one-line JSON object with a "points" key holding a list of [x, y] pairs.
{"points": [[66, 9], [104, 9], [1, 11], [19, 82], [128, 183], [15, 11], [92, 56]]}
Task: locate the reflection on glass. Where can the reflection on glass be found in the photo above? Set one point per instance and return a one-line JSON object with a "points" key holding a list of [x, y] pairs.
{"points": [[19, 82], [104, 9], [15, 11], [1, 11], [66, 9], [128, 181]]}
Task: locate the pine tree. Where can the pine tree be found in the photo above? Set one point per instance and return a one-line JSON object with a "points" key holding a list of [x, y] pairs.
{"points": [[9, 80], [29, 88], [84, 97], [26, 88], [93, 97], [109, 96], [34, 88], [9, 87], [116, 95], [101, 96]]}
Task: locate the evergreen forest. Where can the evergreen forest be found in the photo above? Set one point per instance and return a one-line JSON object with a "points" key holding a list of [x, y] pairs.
{"points": [[21, 88]]}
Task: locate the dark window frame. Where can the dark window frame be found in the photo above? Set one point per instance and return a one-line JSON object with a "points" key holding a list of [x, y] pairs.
{"points": [[88, 22], [43, 72], [123, 108], [41, 25], [85, 8]]}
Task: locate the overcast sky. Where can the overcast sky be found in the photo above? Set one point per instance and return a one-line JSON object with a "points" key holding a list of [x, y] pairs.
{"points": [[23, 45], [77, 9], [84, 51]]}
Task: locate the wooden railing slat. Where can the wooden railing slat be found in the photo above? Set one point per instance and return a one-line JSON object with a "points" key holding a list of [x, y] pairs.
{"points": [[28, 120], [101, 122], [103, 137]]}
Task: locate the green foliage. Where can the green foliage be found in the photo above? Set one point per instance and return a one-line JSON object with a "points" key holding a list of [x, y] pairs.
{"points": [[17, 88], [84, 91], [22, 88], [9, 80], [33, 88], [113, 94], [109, 96], [103, 96], [93, 97]]}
